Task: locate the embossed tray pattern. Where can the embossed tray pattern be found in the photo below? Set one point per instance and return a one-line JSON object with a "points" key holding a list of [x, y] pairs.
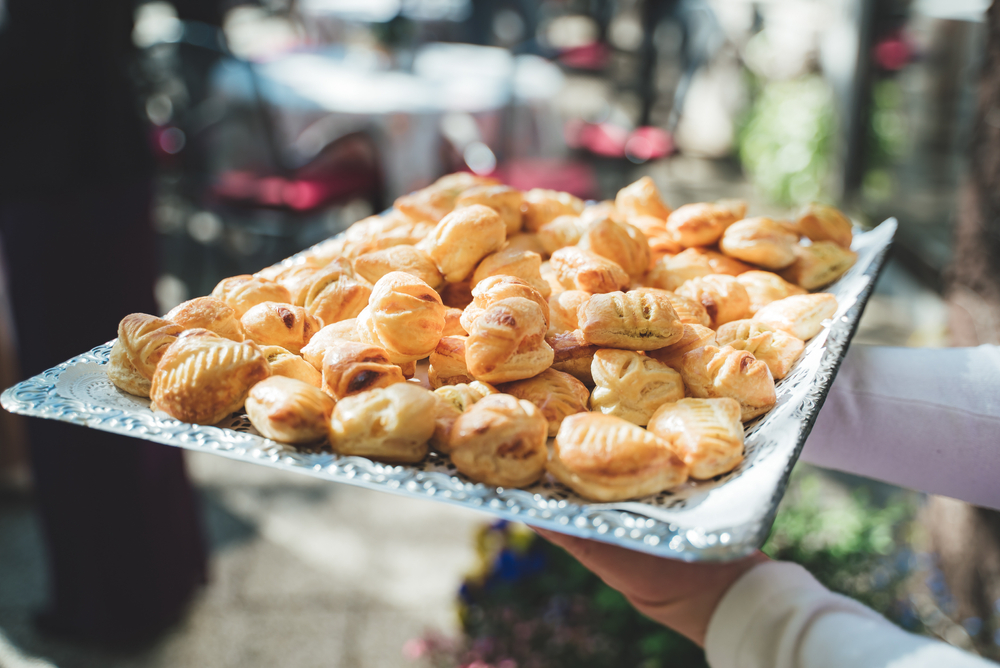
{"points": [[716, 520]]}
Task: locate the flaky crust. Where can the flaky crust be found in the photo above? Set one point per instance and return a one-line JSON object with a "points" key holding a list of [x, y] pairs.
{"points": [[641, 319], [304, 279], [710, 372], [391, 424], [801, 316], [555, 393], [632, 386], [245, 291], [285, 325], [379, 232], [760, 241], [706, 433], [447, 363], [507, 342], [203, 377], [561, 232], [453, 323], [724, 298], [577, 269], [289, 411], [463, 238], [661, 242], [775, 348], [623, 244], [669, 273], [694, 336], [571, 353], [819, 264], [563, 309], [407, 259], [700, 224], [345, 330], [509, 262], [495, 288], [504, 200], [290, 365], [542, 206], [500, 441], [337, 300], [641, 199], [404, 315], [825, 223], [208, 313], [453, 400], [123, 374], [526, 241], [438, 199], [688, 310], [764, 287], [351, 368], [145, 338], [605, 458]]}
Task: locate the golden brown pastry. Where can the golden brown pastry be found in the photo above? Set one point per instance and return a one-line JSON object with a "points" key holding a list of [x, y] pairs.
{"points": [[145, 338], [825, 223], [736, 207], [710, 372], [373, 266], [244, 292], [495, 288], [572, 354], [504, 200], [405, 316], [706, 433], [123, 374], [453, 323], [438, 199], [271, 324], [764, 287], [301, 279], [284, 363], [819, 264], [447, 363], [345, 330], [526, 241], [379, 232], [542, 206], [632, 386], [391, 424], [463, 238], [775, 348], [641, 199], [695, 336], [669, 273], [289, 411], [801, 316], [688, 310], [661, 242], [500, 441], [507, 342], [519, 264], [208, 313], [605, 458], [203, 377], [561, 232], [453, 400], [724, 298], [578, 269], [700, 224], [623, 244], [641, 319], [760, 241], [336, 300], [556, 394], [351, 368], [563, 309], [600, 210]]}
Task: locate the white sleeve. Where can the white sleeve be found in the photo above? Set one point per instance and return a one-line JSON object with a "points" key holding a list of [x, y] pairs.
{"points": [[923, 418], [778, 616]]}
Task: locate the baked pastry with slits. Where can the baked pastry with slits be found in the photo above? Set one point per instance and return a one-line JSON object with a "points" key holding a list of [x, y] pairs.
{"points": [[605, 458], [145, 338], [775, 348], [641, 199], [391, 424], [577, 269], [510, 262], [571, 353], [632, 386], [801, 316], [819, 264], [507, 342], [765, 287], [506, 201], [825, 223], [331, 335], [706, 433], [463, 238], [351, 368], [122, 373], [694, 336], [688, 310], [447, 363], [290, 365], [495, 288], [203, 377], [760, 241], [623, 244], [285, 325], [542, 206], [404, 315], [555, 393], [289, 411], [724, 298], [245, 291], [500, 440], [710, 372], [208, 313], [407, 259], [453, 400], [641, 319], [700, 224]]}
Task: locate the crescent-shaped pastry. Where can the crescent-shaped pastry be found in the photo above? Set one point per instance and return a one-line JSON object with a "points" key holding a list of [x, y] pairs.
{"points": [[623, 244], [695, 336], [453, 323], [287, 410], [271, 324], [337, 300], [504, 200], [700, 224], [605, 458], [577, 269], [404, 315], [572, 354], [123, 374], [724, 298], [391, 424], [519, 264], [352, 368], [145, 338], [563, 309], [819, 264], [542, 206], [765, 287], [331, 335], [290, 365], [562, 232], [632, 386], [463, 238], [203, 377], [555, 393], [801, 316], [245, 291], [641, 319], [526, 241], [500, 441], [453, 400], [706, 433], [447, 363], [495, 288], [775, 348], [760, 241], [407, 259], [641, 199], [709, 372], [208, 313], [825, 223], [507, 342]]}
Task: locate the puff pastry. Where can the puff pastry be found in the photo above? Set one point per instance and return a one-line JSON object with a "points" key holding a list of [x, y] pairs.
{"points": [[407, 259], [453, 400], [695, 336], [463, 238], [285, 325], [244, 292], [764, 287], [605, 458], [391, 424], [447, 363], [571, 353], [577, 269], [724, 298], [632, 386], [331, 335], [519, 264], [600, 210], [337, 300], [623, 244], [500, 441], [289, 411], [669, 273], [507, 342], [661, 242], [495, 288], [688, 310], [208, 313], [203, 377], [504, 200], [641, 199], [801, 316], [453, 323], [404, 316], [775, 348], [563, 309], [123, 374], [760, 241], [819, 264], [526, 241], [351, 368], [284, 363], [709, 372], [555, 393], [383, 231], [145, 338], [706, 433], [542, 206], [561, 232], [700, 224], [641, 319], [438, 199], [825, 223], [301, 279]]}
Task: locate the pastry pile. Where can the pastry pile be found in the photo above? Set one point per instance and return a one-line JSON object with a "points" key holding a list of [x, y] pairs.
{"points": [[638, 337]]}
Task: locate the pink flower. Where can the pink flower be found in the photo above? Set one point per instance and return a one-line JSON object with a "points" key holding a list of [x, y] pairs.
{"points": [[415, 648]]}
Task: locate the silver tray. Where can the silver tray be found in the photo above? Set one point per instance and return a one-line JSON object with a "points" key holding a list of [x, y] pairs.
{"points": [[717, 520]]}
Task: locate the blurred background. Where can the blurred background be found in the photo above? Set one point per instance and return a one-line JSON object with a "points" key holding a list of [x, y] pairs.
{"points": [[251, 131]]}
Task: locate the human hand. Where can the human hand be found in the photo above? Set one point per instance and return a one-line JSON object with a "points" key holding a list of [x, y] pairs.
{"points": [[677, 594]]}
